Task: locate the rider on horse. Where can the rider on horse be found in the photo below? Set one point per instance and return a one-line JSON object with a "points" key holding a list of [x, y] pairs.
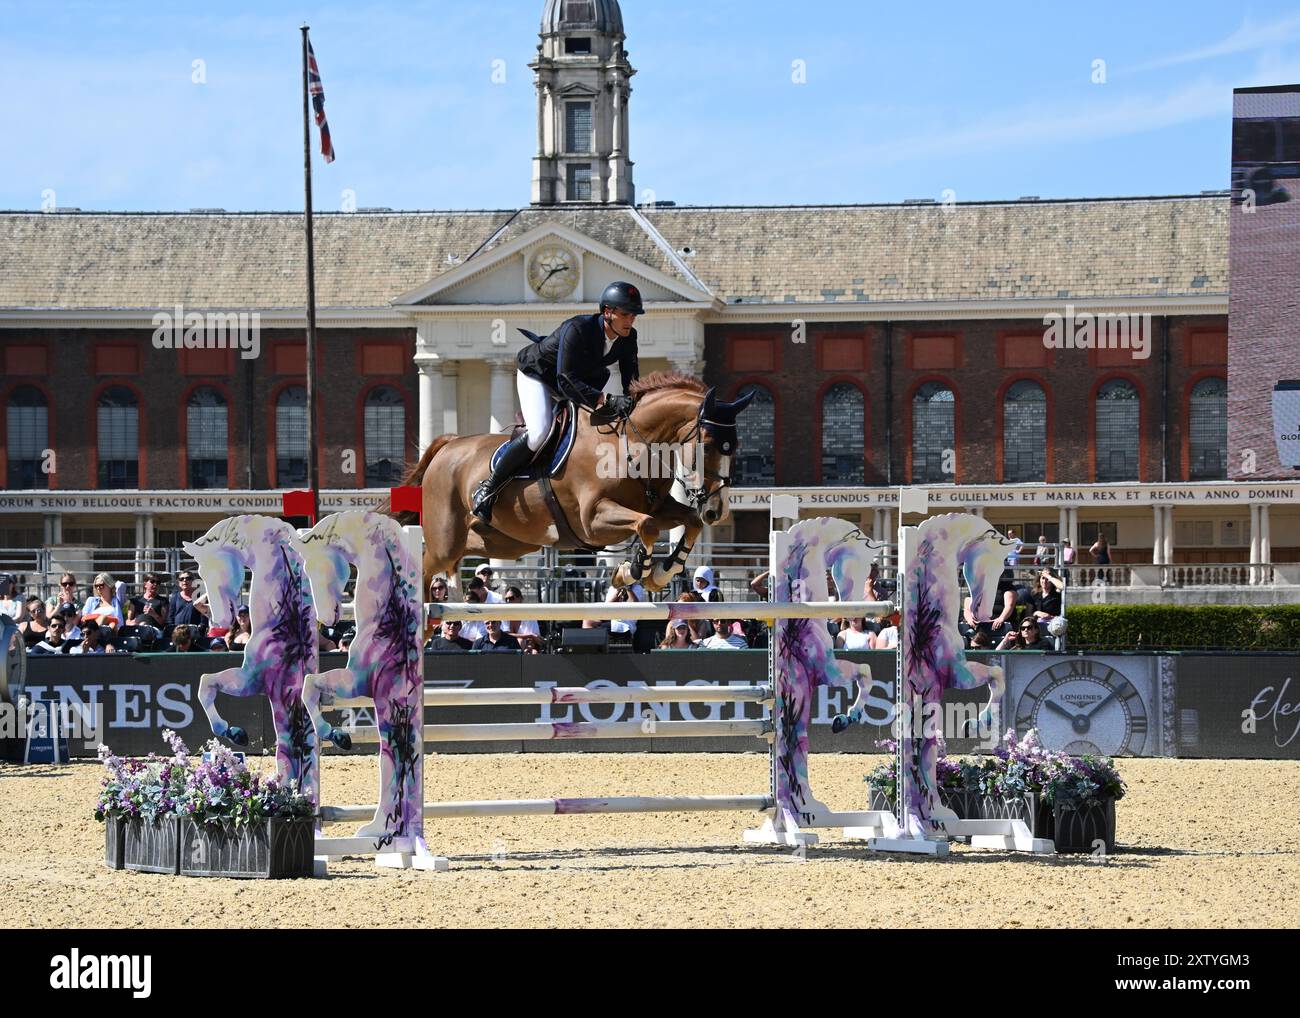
{"points": [[570, 363]]}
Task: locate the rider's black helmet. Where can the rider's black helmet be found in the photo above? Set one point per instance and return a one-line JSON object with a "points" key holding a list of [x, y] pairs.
{"points": [[623, 297]]}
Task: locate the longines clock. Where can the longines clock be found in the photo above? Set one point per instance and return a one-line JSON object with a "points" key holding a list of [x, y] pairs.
{"points": [[1081, 706], [553, 272]]}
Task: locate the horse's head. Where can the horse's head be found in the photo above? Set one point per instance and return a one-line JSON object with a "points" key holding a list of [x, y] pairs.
{"points": [[221, 567], [719, 440], [983, 558], [328, 572]]}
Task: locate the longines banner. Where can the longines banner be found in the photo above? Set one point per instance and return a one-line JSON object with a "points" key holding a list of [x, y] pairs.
{"points": [[1264, 278], [1227, 706]]}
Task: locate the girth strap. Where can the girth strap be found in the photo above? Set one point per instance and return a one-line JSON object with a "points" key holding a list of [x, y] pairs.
{"points": [[568, 538]]}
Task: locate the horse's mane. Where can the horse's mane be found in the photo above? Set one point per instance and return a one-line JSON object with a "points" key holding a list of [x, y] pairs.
{"points": [[666, 380]]}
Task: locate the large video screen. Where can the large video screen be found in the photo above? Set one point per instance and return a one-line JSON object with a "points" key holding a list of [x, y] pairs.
{"points": [[1264, 285]]}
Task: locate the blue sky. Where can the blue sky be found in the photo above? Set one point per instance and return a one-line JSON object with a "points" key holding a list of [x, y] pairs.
{"points": [[901, 100]]}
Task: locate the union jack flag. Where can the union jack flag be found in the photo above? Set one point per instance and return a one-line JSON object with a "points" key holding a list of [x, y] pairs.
{"points": [[318, 104]]}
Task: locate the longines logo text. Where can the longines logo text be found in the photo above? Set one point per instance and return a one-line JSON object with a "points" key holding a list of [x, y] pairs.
{"points": [[76, 971]]}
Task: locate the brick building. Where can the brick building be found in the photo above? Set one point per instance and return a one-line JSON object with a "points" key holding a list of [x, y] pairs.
{"points": [[891, 344]]}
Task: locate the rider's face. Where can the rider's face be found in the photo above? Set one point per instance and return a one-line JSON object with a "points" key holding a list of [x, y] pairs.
{"points": [[620, 322]]}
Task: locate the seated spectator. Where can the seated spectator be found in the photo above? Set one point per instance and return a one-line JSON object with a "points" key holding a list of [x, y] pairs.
{"points": [[981, 639], [527, 632], [1045, 602], [138, 627], [438, 590], [616, 595], [10, 603], [876, 590], [68, 594], [243, 631], [92, 641], [53, 641], [496, 639], [183, 641], [701, 629], [153, 610], [474, 630], [185, 608], [69, 613], [486, 573], [448, 640], [324, 644], [855, 636], [103, 607], [723, 638], [33, 629], [887, 638], [756, 634], [1027, 637], [703, 584], [678, 637]]}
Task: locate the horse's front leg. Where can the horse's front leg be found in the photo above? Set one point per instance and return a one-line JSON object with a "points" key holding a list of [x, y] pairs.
{"points": [[675, 515], [861, 676], [340, 682], [234, 681], [610, 515], [972, 675]]}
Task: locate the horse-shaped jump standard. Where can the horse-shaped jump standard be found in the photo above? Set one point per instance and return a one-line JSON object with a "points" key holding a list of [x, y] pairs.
{"points": [[384, 660], [678, 429], [806, 659], [936, 655], [282, 648]]}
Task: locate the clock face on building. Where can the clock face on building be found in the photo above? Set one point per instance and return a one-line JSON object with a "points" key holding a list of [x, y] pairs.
{"points": [[553, 272], [1081, 706]]}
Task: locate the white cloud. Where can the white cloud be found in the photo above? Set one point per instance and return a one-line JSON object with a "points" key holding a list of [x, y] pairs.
{"points": [[1250, 36]]}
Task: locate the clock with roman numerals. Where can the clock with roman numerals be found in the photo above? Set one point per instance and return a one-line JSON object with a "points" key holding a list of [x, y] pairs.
{"points": [[1081, 706]]}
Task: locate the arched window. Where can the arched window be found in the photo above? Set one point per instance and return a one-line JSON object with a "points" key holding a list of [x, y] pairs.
{"points": [[755, 462], [934, 435], [385, 437], [119, 438], [206, 439], [27, 427], [1118, 416], [291, 437], [843, 435], [1207, 428], [1024, 433]]}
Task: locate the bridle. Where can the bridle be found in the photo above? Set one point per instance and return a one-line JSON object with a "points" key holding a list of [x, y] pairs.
{"points": [[696, 497]]}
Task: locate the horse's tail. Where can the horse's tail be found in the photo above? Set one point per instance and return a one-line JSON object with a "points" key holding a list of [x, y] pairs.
{"points": [[415, 476]]}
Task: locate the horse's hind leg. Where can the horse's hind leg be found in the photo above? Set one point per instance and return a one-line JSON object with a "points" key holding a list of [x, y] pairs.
{"points": [[234, 681]]}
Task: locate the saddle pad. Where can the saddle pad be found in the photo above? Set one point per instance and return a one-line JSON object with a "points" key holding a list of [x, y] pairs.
{"points": [[561, 442]]}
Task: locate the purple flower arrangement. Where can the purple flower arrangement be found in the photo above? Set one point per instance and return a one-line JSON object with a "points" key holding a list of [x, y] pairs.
{"points": [[215, 789], [1019, 766]]}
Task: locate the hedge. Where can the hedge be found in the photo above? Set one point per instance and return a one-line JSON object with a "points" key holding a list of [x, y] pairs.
{"points": [[1183, 627]]}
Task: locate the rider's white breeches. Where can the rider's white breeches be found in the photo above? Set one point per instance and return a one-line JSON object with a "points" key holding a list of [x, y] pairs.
{"points": [[537, 405]]}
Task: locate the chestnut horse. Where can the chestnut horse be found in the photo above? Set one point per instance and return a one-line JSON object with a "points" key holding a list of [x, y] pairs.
{"points": [[616, 484]]}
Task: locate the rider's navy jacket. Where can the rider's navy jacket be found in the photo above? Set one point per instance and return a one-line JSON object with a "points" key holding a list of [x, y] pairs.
{"points": [[572, 360]]}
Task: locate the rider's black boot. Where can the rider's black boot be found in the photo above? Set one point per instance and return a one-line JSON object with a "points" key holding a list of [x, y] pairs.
{"points": [[513, 459]]}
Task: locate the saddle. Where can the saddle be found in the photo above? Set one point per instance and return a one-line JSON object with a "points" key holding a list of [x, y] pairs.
{"points": [[553, 452]]}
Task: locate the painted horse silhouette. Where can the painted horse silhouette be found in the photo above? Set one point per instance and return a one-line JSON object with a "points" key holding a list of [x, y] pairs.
{"points": [[384, 659], [282, 648]]}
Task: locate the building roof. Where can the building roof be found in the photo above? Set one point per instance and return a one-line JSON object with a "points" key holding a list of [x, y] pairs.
{"points": [[594, 15], [1076, 249]]}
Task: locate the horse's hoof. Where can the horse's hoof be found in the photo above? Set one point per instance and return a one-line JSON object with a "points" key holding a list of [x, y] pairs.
{"points": [[839, 723], [340, 738], [237, 735]]}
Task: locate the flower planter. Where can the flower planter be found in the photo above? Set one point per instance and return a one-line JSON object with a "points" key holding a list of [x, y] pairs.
{"points": [[151, 846], [1079, 828], [114, 843], [965, 804], [271, 850]]}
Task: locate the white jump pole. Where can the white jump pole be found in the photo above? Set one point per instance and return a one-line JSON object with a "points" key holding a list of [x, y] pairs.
{"points": [[571, 806], [529, 731]]}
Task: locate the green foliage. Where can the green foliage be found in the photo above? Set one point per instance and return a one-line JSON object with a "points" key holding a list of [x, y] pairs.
{"points": [[1183, 627]]}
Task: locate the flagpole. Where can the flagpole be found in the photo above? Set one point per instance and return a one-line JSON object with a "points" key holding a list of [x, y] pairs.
{"points": [[311, 278]]}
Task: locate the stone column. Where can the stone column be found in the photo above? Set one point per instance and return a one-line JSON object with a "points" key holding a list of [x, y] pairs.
{"points": [[1265, 544], [1062, 528], [1167, 552], [1254, 543], [431, 401], [450, 397], [501, 397], [1158, 536]]}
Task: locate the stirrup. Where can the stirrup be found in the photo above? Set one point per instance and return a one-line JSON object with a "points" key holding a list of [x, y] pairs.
{"points": [[483, 497]]}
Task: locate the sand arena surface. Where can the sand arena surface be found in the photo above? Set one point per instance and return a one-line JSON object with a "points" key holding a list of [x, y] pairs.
{"points": [[1201, 843]]}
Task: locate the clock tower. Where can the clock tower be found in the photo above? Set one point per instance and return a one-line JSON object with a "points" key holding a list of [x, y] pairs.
{"points": [[582, 76]]}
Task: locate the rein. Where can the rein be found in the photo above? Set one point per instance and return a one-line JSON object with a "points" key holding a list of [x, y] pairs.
{"points": [[696, 497]]}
